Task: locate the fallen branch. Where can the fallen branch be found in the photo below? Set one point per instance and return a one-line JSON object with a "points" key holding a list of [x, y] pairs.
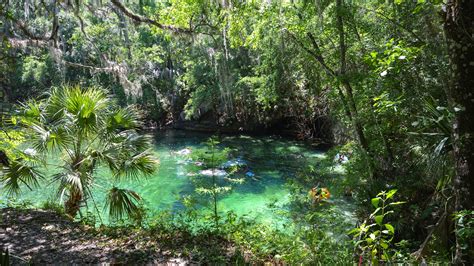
{"points": [[422, 250]]}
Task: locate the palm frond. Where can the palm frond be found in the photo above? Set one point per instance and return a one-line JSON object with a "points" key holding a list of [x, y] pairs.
{"points": [[440, 117], [122, 202], [108, 157], [54, 108], [20, 171], [73, 180], [44, 139], [84, 106], [123, 119], [135, 142], [31, 112], [143, 163], [86, 125]]}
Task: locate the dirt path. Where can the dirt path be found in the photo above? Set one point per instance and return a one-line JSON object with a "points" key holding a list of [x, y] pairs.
{"points": [[44, 237]]}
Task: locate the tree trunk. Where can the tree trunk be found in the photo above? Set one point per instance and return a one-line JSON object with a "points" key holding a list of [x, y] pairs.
{"points": [[342, 75], [459, 30], [73, 204], [355, 117]]}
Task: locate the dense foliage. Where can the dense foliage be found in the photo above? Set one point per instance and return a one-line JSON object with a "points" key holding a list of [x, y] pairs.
{"points": [[377, 79]]}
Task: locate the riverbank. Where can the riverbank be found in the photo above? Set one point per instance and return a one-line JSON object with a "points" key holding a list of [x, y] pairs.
{"points": [[323, 136], [45, 237]]}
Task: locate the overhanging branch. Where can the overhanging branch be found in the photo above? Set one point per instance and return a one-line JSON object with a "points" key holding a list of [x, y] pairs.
{"points": [[316, 53], [141, 19]]}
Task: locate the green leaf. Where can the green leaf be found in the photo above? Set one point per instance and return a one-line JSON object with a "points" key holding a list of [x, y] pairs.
{"points": [[353, 231], [374, 253], [378, 219], [375, 202], [390, 228], [391, 193]]}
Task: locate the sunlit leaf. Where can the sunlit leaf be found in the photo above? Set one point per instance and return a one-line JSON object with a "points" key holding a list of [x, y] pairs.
{"points": [[391, 193], [379, 219], [390, 228], [375, 202]]}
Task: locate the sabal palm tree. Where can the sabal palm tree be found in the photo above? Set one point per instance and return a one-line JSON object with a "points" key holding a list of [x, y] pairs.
{"points": [[85, 129]]}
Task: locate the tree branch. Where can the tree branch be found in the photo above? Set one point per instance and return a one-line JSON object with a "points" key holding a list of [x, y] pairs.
{"points": [[140, 19], [316, 53], [319, 56]]}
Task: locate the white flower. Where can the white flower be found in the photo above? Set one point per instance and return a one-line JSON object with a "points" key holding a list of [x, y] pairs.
{"points": [[384, 73]]}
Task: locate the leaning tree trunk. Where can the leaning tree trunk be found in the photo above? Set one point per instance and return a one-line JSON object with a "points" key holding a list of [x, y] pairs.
{"points": [[459, 30]]}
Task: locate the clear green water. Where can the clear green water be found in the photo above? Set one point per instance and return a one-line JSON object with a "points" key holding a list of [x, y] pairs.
{"points": [[273, 161]]}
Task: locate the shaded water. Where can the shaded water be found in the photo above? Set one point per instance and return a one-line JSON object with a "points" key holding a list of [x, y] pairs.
{"points": [[273, 161]]}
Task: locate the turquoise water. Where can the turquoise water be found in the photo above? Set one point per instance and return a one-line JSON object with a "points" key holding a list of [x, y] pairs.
{"points": [[272, 160]]}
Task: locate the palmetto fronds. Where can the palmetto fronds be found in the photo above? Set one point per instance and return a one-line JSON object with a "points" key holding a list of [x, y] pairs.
{"points": [[20, 172], [31, 111], [52, 138], [122, 119], [121, 202], [435, 126], [136, 165], [84, 128]]}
